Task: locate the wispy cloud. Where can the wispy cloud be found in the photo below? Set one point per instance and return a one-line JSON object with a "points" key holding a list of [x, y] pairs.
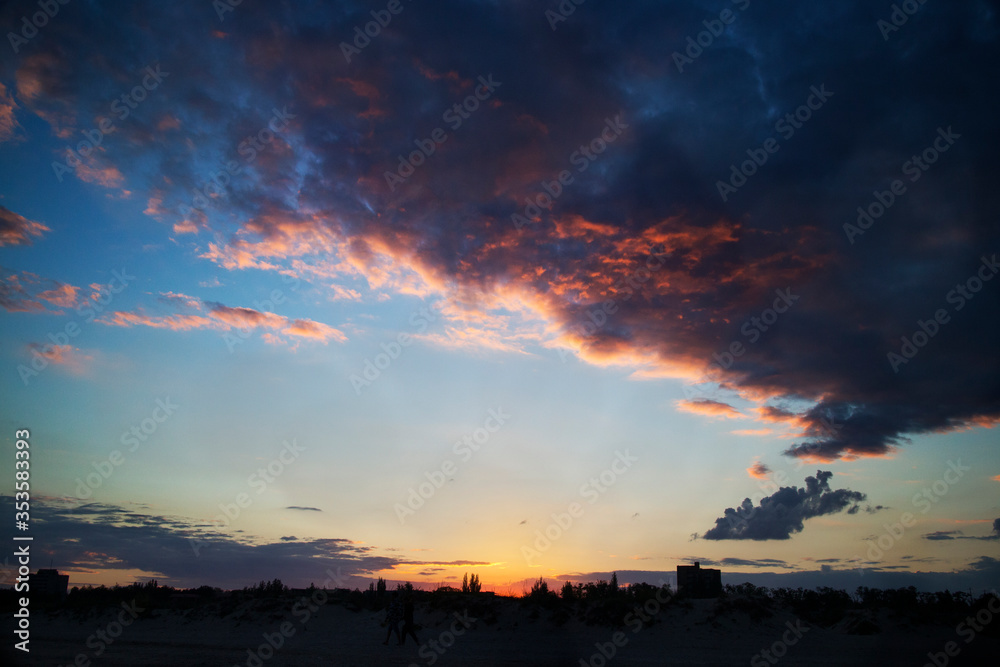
{"points": [[15, 229], [198, 314], [709, 408]]}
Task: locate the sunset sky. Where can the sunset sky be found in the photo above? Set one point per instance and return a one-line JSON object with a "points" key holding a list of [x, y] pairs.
{"points": [[398, 288]]}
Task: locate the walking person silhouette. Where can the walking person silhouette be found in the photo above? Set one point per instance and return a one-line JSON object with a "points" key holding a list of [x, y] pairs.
{"points": [[409, 628], [393, 617]]}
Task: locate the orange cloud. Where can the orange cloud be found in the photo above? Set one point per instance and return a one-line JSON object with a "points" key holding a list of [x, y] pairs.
{"points": [[185, 227], [758, 470], [20, 293], [315, 330], [753, 431], [168, 122], [219, 317], [16, 229], [552, 303], [577, 227], [171, 322], [106, 176], [64, 295], [245, 318], [8, 123], [66, 356], [154, 206], [367, 91], [709, 408], [773, 415]]}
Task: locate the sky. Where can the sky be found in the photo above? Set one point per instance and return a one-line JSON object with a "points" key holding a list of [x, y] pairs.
{"points": [[328, 291]]}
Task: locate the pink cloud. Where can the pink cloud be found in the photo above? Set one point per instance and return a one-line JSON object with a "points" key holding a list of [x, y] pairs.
{"points": [[106, 176], [708, 408], [64, 295], [17, 230], [72, 359], [171, 322], [219, 317], [753, 431], [24, 292], [315, 330], [8, 122]]}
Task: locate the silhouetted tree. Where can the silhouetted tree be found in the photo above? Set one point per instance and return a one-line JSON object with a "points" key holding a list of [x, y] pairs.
{"points": [[567, 592], [539, 588], [471, 584]]}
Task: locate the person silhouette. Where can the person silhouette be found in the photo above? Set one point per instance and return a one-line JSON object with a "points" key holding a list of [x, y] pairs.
{"points": [[393, 617], [409, 628]]}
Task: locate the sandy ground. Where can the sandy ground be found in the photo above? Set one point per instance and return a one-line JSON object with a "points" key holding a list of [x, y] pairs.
{"points": [[336, 636]]}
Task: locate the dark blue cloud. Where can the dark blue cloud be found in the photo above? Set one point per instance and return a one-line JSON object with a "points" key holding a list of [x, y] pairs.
{"points": [[783, 513], [656, 187]]}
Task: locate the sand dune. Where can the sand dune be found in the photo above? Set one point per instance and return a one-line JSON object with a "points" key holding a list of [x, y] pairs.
{"points": [[490, 631]]}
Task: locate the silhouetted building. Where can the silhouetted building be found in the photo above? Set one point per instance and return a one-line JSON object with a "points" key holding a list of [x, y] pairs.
{"points": [[695, 582], [48, 582]]}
